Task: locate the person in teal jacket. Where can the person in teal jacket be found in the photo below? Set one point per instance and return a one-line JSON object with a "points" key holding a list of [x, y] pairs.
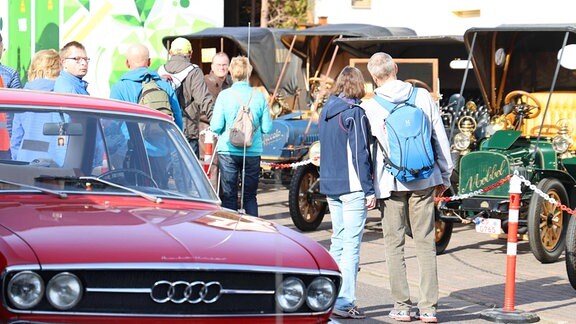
{"points": [[240, 161]]}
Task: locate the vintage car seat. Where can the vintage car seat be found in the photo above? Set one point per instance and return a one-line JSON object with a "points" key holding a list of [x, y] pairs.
{"points": [[562, 106]]}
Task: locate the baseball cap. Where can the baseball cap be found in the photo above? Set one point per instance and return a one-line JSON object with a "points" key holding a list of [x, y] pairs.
{"points": [[181, 46]]}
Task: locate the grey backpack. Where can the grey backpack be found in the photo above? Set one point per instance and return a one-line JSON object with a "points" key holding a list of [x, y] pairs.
{"points": [[242, 130]]}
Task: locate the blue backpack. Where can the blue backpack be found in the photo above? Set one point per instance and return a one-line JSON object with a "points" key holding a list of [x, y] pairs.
{"points": [[411, 155]]}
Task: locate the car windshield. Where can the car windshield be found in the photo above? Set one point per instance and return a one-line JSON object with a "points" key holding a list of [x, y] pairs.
{"points": [[79, 151]]}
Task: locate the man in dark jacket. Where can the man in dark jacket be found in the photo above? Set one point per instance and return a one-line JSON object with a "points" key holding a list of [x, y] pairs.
{"points": [[194, 97]]}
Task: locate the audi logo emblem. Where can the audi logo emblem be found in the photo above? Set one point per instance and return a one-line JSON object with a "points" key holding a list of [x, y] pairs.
{"points": [[179, 292]]}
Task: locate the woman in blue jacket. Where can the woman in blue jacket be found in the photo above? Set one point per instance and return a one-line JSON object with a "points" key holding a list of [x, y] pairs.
{"points": [[27, 127], [346, 180]]}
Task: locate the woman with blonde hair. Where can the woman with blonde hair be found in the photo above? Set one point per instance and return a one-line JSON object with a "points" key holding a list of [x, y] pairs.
{"points": [[44, 69], [236, 161], [27, 127]]}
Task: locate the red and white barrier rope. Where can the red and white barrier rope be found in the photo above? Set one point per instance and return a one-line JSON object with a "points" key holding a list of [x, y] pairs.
{"points": [[500, 182], [285, 165]]}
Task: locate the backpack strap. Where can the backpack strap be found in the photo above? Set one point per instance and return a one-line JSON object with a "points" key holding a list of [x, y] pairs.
{"points": [[244, 104], [179, 77], [240, 99], [412, 99], [147, 77], [184, 73], [390, 106]]}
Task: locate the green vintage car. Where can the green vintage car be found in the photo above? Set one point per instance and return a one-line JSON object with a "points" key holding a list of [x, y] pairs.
{"points": [[528, 82]]}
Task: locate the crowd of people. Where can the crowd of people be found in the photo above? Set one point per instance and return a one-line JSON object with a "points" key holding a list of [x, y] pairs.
{"points": [[354, 175]]}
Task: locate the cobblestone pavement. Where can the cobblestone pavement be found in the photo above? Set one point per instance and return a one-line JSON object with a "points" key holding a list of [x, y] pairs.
{"points": [[472, 272]]}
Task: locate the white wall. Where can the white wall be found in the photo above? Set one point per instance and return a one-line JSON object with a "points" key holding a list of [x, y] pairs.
{"points": [[435, 17]]}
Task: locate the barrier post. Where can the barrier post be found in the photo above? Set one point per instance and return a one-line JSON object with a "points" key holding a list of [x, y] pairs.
{"points": [[208, 151], [508, 314]]}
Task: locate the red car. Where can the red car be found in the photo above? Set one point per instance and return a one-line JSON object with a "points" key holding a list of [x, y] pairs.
{"points": [[107, 216]]}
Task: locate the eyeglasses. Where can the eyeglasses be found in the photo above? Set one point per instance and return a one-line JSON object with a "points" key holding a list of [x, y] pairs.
{"points": [[79, 59]]}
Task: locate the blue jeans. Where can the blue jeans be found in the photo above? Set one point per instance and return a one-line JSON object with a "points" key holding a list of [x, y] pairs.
{"points": [[231, 176], [194, 144], [348, 213]]}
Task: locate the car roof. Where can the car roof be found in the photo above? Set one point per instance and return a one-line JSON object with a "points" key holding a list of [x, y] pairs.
{"points": [[524, 28], [22, 97], [529, 59], [397, 45], [305, 37]]}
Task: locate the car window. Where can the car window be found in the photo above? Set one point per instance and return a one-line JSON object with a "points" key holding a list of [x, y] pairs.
{"points": [[60, 149]]}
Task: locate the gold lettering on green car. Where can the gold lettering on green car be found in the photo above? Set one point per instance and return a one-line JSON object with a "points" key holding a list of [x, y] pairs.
{"points": [[479, 181]]}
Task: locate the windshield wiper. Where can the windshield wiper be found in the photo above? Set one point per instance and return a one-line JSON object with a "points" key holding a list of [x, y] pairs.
{"points": [[53, 192], [152, 198]]}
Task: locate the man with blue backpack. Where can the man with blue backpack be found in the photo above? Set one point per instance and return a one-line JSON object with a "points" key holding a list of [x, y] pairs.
{"points": [[412, 166]]}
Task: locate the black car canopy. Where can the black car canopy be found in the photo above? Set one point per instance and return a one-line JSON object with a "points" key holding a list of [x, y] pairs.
{"points": [[316, 46], [519, 57], [447, 49], [264, 47]]}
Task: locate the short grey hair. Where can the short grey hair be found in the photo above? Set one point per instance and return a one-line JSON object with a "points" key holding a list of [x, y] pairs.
{"points": [[381, 65]]}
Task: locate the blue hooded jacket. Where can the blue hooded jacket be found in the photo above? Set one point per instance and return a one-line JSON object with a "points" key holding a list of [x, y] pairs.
{"points": [[130, 86], [68, 83], [40, 84], [345, 163]]}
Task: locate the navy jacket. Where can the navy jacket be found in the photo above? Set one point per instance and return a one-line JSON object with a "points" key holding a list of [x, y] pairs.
{"points": [[345, 163]]}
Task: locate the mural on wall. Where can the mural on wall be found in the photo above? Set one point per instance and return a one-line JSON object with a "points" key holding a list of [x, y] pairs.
{"points": [[105, 27]]}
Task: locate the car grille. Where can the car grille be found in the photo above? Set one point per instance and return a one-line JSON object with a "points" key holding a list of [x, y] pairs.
{"points": [[128, 292]]}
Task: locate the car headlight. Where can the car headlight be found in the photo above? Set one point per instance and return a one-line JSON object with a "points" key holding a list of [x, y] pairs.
{"points": [[321, 294], [276, 109], [290, 294], [64, 291], [25, 289], [461, 141], [314, 153], [560, 143]]}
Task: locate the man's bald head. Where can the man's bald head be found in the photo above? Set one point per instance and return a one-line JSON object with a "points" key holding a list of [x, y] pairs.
{"points": [[137, 57]]}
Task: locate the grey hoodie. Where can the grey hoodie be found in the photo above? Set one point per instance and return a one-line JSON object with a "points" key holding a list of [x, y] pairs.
{"points": [[399, 91]]}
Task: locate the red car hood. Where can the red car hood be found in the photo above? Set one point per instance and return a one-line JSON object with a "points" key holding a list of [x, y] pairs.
{"points": [[94, 232]]}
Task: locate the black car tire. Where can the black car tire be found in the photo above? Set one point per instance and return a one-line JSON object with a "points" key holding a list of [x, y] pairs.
{"points": [[306, 213], [443, 234], [546, 235], [571, 251]]}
